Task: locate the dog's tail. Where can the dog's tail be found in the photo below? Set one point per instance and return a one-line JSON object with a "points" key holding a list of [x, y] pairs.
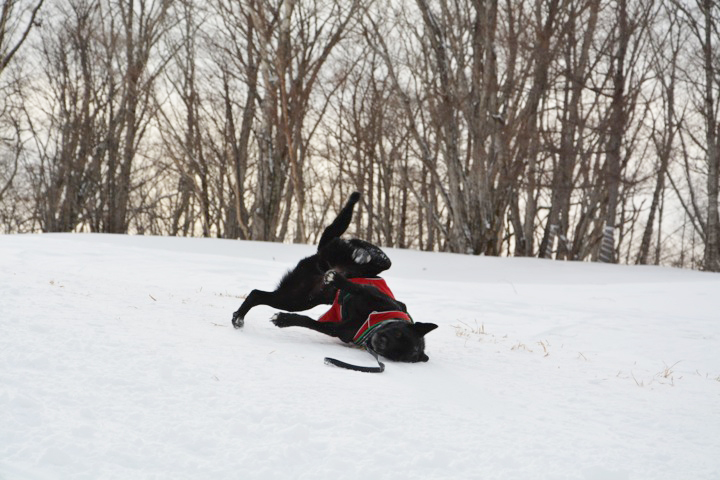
{"points": [[341, 222]]}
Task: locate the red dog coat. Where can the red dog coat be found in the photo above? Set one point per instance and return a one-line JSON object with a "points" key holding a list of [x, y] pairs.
{"points": [[335, 312], [374, 319]]}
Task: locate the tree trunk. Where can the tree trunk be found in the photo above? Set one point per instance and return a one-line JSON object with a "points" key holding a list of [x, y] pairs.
{"points": [[712, 243], [615, 137]]}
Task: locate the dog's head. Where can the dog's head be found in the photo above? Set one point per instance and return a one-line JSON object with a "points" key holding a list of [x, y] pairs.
{"points": [[401, 341]]}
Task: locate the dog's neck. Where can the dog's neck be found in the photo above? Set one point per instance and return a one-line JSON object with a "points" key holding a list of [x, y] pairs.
{"points": [[375, 322]]}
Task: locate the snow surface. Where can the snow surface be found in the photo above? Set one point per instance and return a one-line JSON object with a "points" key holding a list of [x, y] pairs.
{"points": [[118, 361]]}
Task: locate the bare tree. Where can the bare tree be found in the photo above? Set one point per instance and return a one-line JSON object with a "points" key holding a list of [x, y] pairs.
{"points": [[701, 76], [65, 145], [17, 19], [15, 27], [100, 70], [182, 128], [616, 131], [666, 50], [577, 41], [711, 65], [285, 46], [141, 26]]}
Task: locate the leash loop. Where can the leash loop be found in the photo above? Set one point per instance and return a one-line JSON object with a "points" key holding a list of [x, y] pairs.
{"points": [[357, 368]]}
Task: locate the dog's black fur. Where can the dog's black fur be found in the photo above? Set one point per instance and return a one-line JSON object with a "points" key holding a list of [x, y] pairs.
{"points": [[399, 341], [303, 288]]}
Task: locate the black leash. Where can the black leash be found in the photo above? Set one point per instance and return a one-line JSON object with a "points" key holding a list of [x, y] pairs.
{"points": [[357, 368]]}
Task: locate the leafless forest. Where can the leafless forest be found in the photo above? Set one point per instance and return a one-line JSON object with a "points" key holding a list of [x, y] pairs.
{"points": [[565, 129]]}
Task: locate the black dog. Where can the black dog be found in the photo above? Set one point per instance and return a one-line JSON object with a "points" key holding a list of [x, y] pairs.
{"points": [[303, 288], [369, 318]]}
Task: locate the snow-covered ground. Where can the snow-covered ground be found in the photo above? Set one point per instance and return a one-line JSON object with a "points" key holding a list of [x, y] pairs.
{"points": [[118, 361]]}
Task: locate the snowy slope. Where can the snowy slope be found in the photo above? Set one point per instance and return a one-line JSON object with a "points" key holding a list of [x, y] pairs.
{"points": [[117, 361]]}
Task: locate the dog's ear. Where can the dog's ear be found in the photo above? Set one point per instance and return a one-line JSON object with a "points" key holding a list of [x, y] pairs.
{"points": [[424, 328]]}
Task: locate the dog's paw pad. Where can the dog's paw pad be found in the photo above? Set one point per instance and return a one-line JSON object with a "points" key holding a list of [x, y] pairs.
{"points": [[238, 321], [329, 277], [361, 256], [279, 320]]}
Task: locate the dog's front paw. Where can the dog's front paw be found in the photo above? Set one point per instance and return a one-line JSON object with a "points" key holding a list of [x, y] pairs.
{"points": [[330, 277], [237, 320], [361, 256], [281, 320]]}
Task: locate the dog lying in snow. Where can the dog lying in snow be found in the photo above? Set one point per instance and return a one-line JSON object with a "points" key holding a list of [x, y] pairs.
{"points": [[336, 274], [303, 287]]}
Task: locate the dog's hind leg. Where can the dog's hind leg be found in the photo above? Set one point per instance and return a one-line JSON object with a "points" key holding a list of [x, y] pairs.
{"points": [[283, 320], [280, 299], [341, 222]]}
